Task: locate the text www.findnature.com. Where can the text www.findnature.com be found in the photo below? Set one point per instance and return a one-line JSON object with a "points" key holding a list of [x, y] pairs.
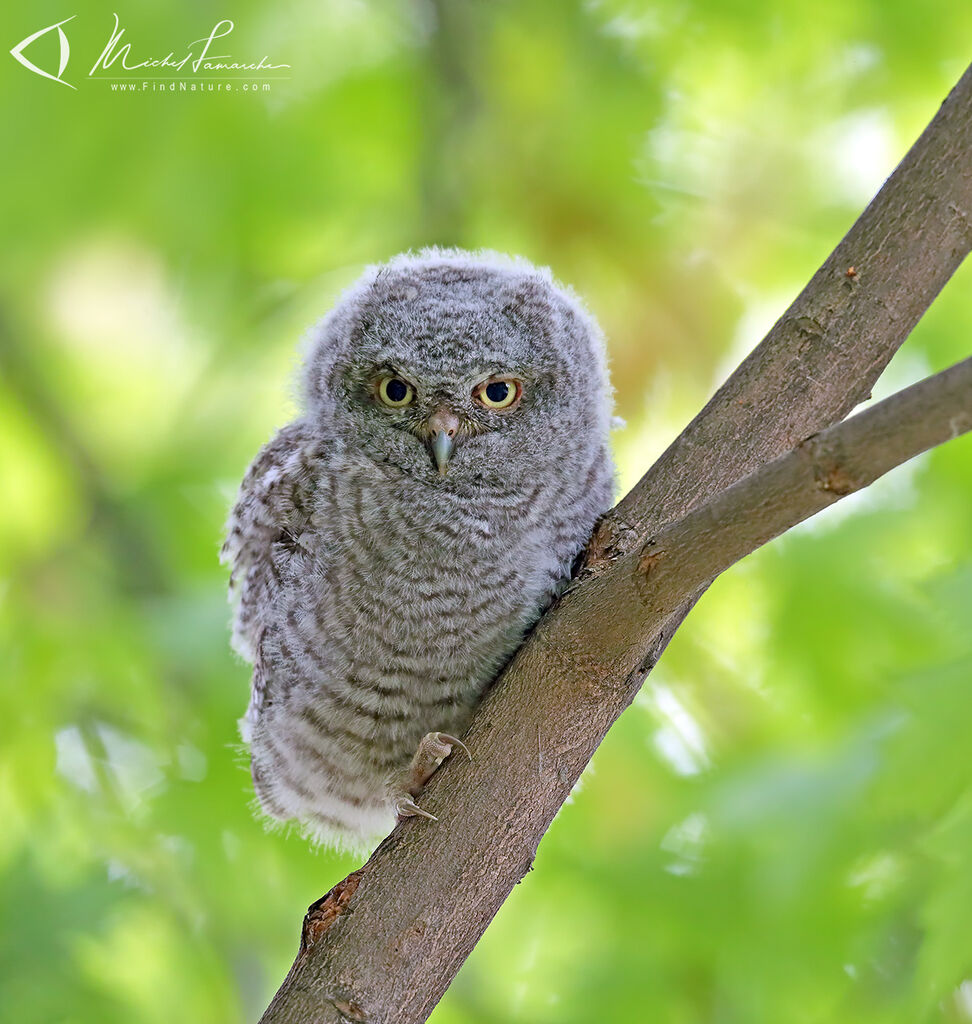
{"points": [[189, 87]]}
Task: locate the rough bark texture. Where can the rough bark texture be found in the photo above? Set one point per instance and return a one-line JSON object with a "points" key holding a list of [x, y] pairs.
{"points": [[385, 943]]}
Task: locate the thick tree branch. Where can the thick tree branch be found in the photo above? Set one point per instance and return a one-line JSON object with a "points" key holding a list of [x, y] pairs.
{"points": [[384, 944]]}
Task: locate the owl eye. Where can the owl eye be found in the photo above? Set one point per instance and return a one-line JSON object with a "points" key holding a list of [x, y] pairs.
{"points": [[395, 392], [499, 393]]}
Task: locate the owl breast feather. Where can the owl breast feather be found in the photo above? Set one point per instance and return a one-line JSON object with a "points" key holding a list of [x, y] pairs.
{"points": [[386, 609]]}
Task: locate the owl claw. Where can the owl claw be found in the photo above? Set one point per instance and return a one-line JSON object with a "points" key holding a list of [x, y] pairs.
{"points": [[446, 738], [408, 808]]}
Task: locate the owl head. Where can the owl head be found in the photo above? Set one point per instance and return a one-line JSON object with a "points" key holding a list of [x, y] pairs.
{"points": [[463, 370]]}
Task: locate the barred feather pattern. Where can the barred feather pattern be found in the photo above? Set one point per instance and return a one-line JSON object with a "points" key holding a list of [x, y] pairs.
{"points": [[377, 602]]}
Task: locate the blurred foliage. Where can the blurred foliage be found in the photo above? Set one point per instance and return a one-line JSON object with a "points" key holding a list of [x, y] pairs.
{"points": [[780, 827]]}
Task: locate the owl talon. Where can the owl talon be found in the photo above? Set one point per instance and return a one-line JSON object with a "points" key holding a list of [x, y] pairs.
{"points": [[408, 808], [446, 738], [434, 748]]}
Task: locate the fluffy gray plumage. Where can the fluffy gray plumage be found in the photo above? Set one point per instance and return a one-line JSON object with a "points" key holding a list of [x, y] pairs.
{"points": [[376, 597]]}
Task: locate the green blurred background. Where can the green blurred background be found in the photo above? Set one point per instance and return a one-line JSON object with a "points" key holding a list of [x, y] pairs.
{"points": [[779, 829]]}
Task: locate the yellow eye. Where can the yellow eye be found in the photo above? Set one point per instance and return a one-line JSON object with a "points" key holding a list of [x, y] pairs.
{"points": [[499, 393], [395, 392]]}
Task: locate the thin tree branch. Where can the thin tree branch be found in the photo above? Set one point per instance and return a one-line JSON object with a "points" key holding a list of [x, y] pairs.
{"points": [[384, 944], [647, 585]]}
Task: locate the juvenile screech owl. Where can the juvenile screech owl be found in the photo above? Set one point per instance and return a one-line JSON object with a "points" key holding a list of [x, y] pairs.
{"points": [[392, 545]]}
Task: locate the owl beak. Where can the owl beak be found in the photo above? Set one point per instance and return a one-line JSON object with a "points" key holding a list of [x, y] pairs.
{"points": [[442, 425]]}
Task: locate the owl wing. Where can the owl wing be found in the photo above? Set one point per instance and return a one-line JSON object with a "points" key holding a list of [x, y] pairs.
{"points": [[266, 542]]}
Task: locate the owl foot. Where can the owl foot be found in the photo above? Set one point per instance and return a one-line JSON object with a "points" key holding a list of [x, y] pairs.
{"points": [[433, 749]]}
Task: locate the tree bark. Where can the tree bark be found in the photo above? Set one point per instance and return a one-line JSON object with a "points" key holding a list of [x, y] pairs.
{"points": [[386, 942]]}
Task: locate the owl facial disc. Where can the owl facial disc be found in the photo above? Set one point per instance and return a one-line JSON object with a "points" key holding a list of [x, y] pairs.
{"points": [[442, 427]]}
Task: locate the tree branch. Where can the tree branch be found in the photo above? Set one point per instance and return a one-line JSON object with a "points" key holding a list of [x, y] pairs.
{"points": [[822, 357], [385, 943], [648, 585]]}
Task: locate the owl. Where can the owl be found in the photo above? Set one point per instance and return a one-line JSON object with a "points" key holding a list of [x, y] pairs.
{"points": [[392, 545]]}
